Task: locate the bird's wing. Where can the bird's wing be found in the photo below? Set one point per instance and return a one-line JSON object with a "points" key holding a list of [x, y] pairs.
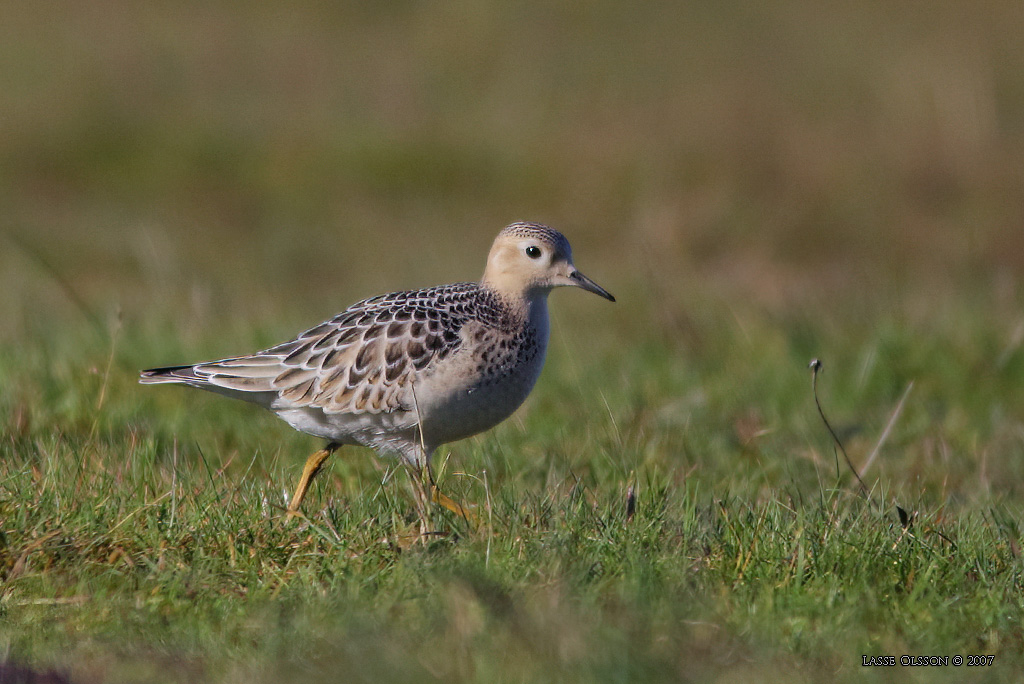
{"points": [[364, 360]]}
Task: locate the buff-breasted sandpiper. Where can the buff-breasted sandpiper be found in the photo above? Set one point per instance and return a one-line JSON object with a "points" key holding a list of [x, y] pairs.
{"points": [[406, 372]]}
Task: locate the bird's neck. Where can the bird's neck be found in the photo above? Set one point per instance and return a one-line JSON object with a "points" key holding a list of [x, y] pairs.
{"points": [[528, 306]]}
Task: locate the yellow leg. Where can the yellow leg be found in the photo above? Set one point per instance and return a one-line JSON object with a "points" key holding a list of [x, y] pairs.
{"points": [[313, 466], [426, 492], [455, 507]]}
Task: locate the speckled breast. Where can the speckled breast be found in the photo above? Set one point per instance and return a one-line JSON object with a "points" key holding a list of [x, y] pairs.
{"points": [[485, 382]]}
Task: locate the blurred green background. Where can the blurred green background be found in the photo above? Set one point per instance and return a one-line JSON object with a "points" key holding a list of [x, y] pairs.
{"points": [[275, 161]]}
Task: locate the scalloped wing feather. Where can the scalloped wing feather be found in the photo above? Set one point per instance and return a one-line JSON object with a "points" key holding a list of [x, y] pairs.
{"points": [[364, 360]]}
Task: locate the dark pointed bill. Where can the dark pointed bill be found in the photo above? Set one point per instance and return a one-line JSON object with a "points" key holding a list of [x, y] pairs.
{"points": [[590, 286]]}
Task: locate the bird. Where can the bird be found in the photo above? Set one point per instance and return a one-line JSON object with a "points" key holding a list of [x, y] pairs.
{"points": [[406, 372]]}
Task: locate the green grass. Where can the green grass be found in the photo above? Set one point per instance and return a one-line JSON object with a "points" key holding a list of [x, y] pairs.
{"points": [[143, 536], [759, 186]]}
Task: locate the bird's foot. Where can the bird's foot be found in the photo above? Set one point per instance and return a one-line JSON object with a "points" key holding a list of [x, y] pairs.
{"points": [[464, 512]]}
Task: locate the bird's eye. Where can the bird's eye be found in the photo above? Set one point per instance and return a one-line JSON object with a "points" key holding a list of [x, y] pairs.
{"points": [[533, 252]]}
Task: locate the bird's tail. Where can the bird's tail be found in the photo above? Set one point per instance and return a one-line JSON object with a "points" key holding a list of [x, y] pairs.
{"points": [[184, 374]]}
